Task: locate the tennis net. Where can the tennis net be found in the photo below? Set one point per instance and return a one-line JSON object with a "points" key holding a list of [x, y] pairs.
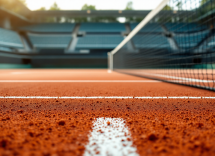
{"points": [[174, 43]]}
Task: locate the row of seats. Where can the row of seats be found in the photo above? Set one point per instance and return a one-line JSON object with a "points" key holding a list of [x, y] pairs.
{"points": [[209, 45], [6, 49], [185, 27], [85, 42], [113, 27], [190, 40], [112, 40], [93, 41], [151, 41], [50, 27], [151, 27], [50, 41], [9, 39], [99, 41], [90, 27], [102, 27], [69, 27]]}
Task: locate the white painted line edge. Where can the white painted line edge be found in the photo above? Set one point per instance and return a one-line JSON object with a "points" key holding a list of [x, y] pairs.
{"points": [[110, 139], [82, 81], [106, 97], [101, 81]]}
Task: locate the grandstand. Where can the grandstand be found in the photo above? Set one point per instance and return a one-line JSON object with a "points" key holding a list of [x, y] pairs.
{"points": [[49, 41], [102, 27], [10, 39], [88, 41], [49, 28], [91, 37]]}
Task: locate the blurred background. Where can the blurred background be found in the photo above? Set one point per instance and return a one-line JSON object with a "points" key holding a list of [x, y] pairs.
{"points": [[79, 34], [65, 33]]}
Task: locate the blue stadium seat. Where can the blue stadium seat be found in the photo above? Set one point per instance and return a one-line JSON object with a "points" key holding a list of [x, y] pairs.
{"points": [[5, 49], [50, 41], [209, 45], [184, 27], [149, 27], [102, 27], [191, 40], [150, 41], [10, 38], [50, 27], [98, 41]]}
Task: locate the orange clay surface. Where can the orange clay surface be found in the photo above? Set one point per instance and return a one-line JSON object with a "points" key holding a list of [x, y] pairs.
{"points": [[61, 126]]}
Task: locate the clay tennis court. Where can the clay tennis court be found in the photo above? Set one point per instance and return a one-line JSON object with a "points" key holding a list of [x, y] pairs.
{"points": [[95, 79], [59, 112]]}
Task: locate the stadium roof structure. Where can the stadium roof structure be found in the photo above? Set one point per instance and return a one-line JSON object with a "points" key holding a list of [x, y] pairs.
{"points": [[91, 13], [27, 13], [5, 12], [100, 13], [33, 16]]}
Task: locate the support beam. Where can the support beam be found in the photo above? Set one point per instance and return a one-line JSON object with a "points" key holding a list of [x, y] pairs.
{"points": [[130, 44], [110, 62], [171, 40], [6, 23], [72, 45]]}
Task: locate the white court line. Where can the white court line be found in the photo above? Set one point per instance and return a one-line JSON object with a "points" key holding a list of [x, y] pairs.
{"points": [[151, 97], [109, 71], [16, 73], [107, 97], [83, 81], [110, 140]]}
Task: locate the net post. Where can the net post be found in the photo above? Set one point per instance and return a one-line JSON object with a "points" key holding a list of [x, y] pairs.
{"points": [[110, 62]]}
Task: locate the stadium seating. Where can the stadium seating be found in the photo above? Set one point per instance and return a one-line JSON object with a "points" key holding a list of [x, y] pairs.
{"points": [[50, 27], [102, 27], [191, 40], [150, 41], [9, 39], [184, 27], [209, 45], [6, 49], [99, 41], [103, 36], [148, 28], [49, 41]]}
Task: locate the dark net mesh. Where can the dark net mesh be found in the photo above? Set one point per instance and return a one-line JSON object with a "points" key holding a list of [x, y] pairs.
{"points": [[177, 45]]}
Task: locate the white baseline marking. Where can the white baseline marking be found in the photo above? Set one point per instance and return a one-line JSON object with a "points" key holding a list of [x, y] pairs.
{"points": [[107, 97], [83, 81], [113, 139], [16, 73]]}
